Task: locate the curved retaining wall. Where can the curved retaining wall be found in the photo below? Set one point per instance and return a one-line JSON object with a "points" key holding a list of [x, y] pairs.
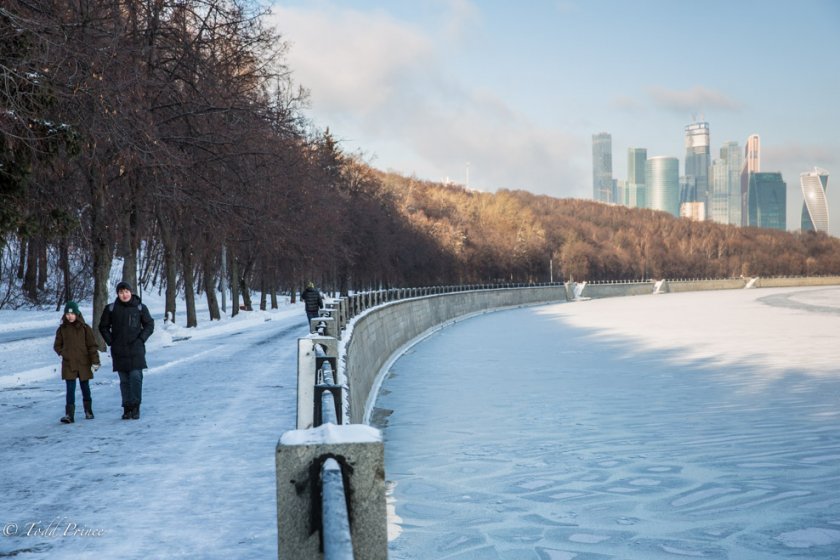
{"points": [[380, 333]]}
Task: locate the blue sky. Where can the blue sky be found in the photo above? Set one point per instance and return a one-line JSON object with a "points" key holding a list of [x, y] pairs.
{"points": [[508, 94]]}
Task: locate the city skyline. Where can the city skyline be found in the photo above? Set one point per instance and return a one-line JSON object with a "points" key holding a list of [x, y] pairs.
{"points": [[514, 93]]}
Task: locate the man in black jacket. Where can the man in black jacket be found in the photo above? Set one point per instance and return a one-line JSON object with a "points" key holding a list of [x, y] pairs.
{"points": [[312, 300], [126, 325]]}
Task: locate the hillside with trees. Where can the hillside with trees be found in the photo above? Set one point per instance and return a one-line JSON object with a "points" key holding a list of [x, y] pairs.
{"points": [[518, 236], [171, 136]]}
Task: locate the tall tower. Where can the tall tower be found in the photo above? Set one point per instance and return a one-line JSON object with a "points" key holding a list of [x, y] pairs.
{"points": [[662, 184], [767, 201], [725, 199], [752, 164], [635, 187], [602, 181], [697, 162], [815, 207]]}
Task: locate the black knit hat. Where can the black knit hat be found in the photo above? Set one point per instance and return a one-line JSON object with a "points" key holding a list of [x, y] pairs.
{"points": [[72, 307], [124, 286]]}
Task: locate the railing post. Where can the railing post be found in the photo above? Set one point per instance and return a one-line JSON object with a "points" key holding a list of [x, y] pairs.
{"points": [[298, 458], [308, 364]]}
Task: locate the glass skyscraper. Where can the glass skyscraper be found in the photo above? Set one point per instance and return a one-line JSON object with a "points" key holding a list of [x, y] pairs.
{"points": [[635, 187], [752, 164], [815, 206], [662, 184], [725, 199], [602, 180], [697, 162], [767, 196]]}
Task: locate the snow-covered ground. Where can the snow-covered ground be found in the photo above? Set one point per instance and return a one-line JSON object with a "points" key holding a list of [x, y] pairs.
{"points": [[682, 425], [193, 478], [697, 425]]}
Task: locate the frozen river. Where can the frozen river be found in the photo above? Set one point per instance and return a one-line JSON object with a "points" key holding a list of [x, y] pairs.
{"points": [[697, 425]]}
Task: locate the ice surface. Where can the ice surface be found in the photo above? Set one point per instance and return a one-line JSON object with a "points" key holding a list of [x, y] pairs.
{"points": [[694, 425]]}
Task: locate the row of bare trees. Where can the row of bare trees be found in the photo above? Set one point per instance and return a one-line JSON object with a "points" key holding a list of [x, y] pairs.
{"points": [[169, 134]]}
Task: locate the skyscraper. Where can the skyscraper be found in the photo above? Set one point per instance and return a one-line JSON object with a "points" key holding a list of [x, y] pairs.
{"points": [[697, 162], [752, 164], [815, 207], [635, 187], [767, 195], [662, 184], [602, 181], [725, 198]]}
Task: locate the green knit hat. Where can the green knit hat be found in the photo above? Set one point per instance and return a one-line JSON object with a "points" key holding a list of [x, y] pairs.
{"points": [[72, 307]]}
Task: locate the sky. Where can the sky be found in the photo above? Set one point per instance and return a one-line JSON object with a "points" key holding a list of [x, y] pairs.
{"points": [[497, 94]]}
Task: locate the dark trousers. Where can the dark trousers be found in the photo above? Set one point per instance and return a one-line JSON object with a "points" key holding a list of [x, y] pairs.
{"points": [[71, 390], [131, 387]]}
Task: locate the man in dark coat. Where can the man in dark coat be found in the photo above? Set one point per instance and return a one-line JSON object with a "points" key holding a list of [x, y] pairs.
{"points": [[126, 325], [312, 300]]}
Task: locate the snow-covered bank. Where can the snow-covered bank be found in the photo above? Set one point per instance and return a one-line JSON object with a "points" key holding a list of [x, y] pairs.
{"points": [[193, 478]]}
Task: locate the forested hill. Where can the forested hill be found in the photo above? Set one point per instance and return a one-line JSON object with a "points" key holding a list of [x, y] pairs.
{"points": [[513, 235]]}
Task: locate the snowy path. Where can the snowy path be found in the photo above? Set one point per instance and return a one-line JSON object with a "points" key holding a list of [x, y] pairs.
{"points": [[193, 478], [701, 425]]}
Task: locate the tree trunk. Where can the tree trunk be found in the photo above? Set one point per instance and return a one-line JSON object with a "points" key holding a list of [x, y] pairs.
{"points": [[263, 295], [30, 275], [189, 288], [102, 256], [210, 289], [234, 286], [42, 264], [246, 294], [64, 264], [128, 249], [22, 257], [169, 268]]}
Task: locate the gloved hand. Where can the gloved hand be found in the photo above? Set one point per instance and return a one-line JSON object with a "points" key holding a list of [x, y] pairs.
{"points": [[94, 367]]}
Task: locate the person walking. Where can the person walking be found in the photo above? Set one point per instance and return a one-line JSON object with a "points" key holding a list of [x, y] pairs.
{"points": [[126, 325], [75, 343], [312, 300]]}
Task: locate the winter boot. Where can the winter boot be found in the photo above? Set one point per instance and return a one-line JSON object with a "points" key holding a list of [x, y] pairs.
{"points": [[88, 410], [135, 412], [126, 412], [69, 412]]}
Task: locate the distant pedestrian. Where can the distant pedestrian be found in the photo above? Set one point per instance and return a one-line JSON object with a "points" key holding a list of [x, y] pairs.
{"points": [[75, 343], [126, 325], [312, 300]]}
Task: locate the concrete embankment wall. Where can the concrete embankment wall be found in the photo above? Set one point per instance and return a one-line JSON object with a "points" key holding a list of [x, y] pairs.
{"points": [[380, 333], [794, 282], [676, 286], [596, 291]]}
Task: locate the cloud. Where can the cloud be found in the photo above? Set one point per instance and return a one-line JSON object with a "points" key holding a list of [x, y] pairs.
{"points": [[805, 156], [696, 99], [380, 86], [350, 60], [627, 103], [503, 148], [460, 14]]}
